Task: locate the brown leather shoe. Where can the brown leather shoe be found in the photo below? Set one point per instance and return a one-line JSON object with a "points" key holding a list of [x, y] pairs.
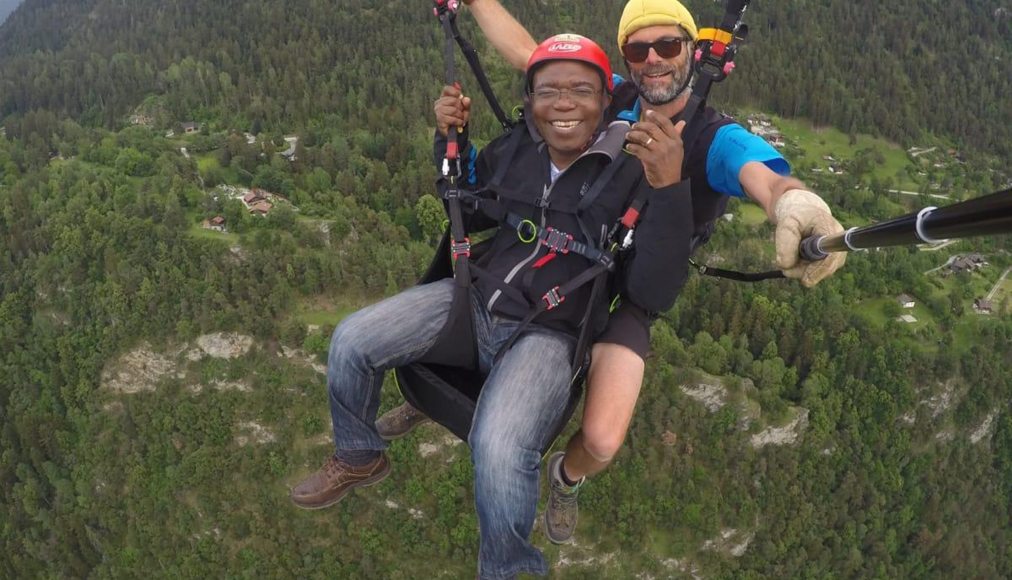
{"points": [[399, 421], [335, 479]]}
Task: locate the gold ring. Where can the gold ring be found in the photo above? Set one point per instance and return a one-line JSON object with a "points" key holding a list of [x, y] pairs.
{"points": [[649, 141]]}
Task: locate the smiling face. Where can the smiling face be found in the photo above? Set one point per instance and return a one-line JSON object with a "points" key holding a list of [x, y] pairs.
{"points": [[567, 102], [660, 80]]}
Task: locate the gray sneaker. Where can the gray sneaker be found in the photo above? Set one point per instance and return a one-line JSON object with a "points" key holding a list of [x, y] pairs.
{"points": [[562, 510], [399, 421]]}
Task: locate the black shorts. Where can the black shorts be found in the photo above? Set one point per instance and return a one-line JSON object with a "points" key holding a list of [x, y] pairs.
{"points": [[628, 326]]}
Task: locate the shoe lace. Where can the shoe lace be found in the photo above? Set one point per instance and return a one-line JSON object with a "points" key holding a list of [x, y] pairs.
{"points": [[564, 498], [408, 413], [332, 466]]}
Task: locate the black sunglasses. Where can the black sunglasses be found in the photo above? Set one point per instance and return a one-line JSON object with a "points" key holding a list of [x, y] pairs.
{"points": [[664, 47]]}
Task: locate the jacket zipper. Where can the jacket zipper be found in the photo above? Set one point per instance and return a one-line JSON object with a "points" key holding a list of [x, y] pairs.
{"points": [[537, 247]]}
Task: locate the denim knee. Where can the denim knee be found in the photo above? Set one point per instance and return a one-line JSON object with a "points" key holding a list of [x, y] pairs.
{"points": [[498, 456], [357, 334]]}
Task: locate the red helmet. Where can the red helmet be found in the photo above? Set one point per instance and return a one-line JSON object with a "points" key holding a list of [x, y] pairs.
{"points": [[571, 47]]}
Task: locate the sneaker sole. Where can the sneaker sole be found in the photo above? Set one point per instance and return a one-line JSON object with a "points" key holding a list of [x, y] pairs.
{"points": [[373, 480]]}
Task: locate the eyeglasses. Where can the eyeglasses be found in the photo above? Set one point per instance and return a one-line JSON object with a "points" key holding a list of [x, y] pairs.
{"points": [[636, 52], [576, 95]]}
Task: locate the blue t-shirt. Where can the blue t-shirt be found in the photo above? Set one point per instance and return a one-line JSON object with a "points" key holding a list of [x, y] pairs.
{"points": [[733, 146]]}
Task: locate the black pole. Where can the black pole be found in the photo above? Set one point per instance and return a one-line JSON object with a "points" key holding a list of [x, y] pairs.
{"points": [[982, 216]]}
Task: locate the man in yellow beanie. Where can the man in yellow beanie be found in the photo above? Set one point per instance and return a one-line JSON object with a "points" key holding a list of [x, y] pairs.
{"points": [[656, 38]]}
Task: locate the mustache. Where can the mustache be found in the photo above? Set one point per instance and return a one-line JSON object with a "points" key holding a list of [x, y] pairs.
{"points": [[658, 69]]}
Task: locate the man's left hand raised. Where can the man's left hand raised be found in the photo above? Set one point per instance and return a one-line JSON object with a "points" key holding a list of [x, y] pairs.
{"points": [[657, 143]]}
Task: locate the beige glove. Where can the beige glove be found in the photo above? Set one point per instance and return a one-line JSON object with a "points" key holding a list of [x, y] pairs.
{"points": [[797, 215]]}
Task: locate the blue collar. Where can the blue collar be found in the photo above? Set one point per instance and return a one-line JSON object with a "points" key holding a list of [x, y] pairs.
{"points": [[632, 115]]}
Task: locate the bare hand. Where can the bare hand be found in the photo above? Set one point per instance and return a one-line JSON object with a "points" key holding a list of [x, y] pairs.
{"points": [[452, 109], [657, 143]]}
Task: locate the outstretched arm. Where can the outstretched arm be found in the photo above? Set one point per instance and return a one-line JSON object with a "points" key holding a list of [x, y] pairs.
{"points": [[507, 36], [764, 186], [797, 213]]}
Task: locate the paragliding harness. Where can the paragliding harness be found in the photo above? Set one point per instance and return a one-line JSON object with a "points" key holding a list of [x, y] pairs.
{"points": [[446, 382]]}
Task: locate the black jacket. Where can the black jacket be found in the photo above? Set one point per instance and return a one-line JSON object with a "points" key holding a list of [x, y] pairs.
{"points": [[515, 170], [708, 204]]}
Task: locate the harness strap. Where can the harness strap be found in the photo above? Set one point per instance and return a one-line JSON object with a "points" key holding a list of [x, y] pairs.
{"points": [[512, 292], [583, 342], [734, 275], [557, 240], [554, 298], [471, 55], [595, 191], [591, 196]]}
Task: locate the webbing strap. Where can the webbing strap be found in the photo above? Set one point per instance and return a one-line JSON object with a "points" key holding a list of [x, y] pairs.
{"points": [[554, 240], [496, 281], [451, 164], [602, 180], [734, 275], [552, 299], [450, 73], [471, 55], [582, 342]]}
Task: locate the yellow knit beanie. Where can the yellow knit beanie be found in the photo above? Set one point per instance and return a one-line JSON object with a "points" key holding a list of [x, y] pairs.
{"points": [[643, 13]]}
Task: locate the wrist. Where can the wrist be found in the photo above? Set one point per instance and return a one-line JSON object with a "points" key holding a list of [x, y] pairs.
{"points": [[795, 200]]}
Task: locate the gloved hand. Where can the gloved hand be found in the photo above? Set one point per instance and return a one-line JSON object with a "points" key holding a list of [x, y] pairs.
{"points": [[797, 215]]}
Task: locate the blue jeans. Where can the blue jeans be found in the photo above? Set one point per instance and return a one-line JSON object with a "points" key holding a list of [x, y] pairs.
{"points": [[523, 397]]}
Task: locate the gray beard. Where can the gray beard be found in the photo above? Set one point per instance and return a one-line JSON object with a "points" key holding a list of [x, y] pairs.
{"points": [[662, 95]]}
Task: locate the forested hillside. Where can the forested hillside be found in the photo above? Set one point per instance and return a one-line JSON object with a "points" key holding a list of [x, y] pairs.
{"points": [[162, 379], [905, 70], [6, 7]]}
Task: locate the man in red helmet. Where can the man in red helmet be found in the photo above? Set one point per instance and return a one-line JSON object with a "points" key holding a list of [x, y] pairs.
{"points": [[562, 173], [655, 38]]}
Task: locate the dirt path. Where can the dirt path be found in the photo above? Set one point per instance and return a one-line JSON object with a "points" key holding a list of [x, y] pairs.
{"points": [[997, 284]]}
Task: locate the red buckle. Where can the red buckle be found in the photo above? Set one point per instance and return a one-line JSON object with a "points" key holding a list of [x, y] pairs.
{"points": [[552, 298], [459, 249], [557, 241]]}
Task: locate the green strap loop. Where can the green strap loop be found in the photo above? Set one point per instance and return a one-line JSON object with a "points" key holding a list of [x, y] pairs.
{"points": [[533, 229], [614, 303]]}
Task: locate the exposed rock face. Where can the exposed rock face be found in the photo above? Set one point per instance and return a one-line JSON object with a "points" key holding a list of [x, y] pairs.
{"points": [[786, 435], [223, 386], [225, 344], [712, 396], [730, 541], [300, 355], [142, 369], [942, 401], [138, 370], [447, 442], [254, 433], [985, 429]]}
